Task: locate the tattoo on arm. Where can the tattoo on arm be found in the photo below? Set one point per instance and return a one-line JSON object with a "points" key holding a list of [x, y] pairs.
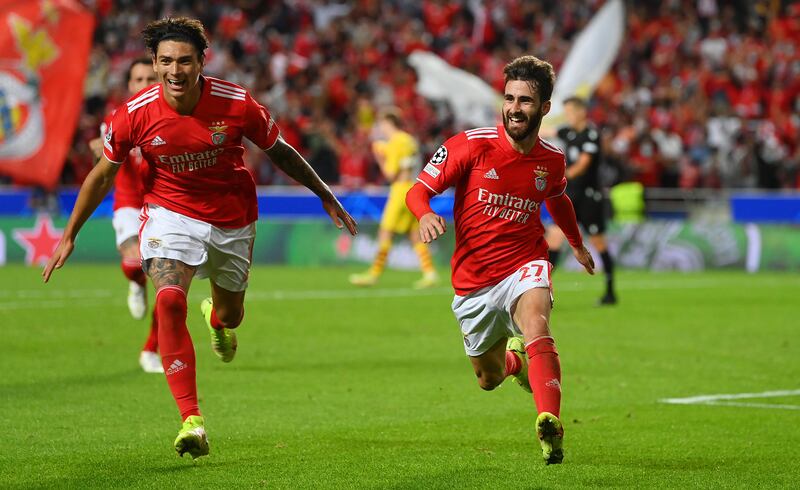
{"points": [[169, 272], [285, 157]]}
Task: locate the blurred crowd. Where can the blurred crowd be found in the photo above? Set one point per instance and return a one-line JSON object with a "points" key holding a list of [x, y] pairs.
{"points": [[704, 93]]}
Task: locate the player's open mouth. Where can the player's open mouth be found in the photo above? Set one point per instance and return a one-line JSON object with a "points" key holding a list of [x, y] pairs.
{"points": [[176, 83]]}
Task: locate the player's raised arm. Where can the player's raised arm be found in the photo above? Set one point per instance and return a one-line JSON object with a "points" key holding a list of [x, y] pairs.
{"points": [[418, 201], [97, 184], [563, 213], [287, 159]]}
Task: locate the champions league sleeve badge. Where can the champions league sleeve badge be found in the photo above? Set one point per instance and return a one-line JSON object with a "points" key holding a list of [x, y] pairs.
{"points": [[541, 179], [439, 157]]}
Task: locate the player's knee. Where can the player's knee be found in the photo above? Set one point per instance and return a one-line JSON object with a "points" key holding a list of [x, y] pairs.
{"points": [[171, 301], [230, 317], [489, 380]]}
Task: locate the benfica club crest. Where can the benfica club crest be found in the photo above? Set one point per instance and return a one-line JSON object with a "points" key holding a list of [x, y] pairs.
{"points": [[218, 132], [541, 179]]}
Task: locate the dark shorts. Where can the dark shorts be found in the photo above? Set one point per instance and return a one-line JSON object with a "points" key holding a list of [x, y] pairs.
{"points": [[590, 209]]}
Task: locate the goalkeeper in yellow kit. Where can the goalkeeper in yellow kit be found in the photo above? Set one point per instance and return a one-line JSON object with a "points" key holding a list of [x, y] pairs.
{"points": [[399, 160]]}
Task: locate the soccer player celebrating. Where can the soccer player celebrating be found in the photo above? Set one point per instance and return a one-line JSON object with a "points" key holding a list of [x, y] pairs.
{"points": [[501, 276], [128, 201], [583, 155], [398, 158], [200, 201]]}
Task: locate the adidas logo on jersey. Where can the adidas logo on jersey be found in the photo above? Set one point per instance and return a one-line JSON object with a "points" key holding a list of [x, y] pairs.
{"points": [[176, 366], [157, 141], [491, 174]]}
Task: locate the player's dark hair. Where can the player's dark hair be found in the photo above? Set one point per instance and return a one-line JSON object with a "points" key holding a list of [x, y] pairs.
{"points": [[182, 29], [532, 69], [143, 60], [392, 114], [578, 101]]}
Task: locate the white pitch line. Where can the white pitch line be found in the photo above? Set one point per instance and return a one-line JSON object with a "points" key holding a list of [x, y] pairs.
{"points": [[83, 298], [723, 399]]}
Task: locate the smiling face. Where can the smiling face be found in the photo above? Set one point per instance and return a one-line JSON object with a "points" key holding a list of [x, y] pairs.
{"points": [[522, 110], [178, 66]]}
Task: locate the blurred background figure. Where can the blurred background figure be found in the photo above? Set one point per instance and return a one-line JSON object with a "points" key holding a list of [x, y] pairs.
{"points": [[581, 140], [398, 155], [128, 200]]}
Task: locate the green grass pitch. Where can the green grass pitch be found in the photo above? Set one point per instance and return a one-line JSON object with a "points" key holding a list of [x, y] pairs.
{"points": [[336, 387]]}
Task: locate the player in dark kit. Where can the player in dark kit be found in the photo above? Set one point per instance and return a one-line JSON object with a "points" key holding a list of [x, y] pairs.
{"points": [[583, 154]]}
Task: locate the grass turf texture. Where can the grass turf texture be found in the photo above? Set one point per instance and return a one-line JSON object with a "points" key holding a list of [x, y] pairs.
{"points": [[341, 387]]}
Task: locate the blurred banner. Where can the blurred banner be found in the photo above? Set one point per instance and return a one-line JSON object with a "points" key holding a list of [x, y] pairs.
{"points": [[44, 52], [473, 101], [652, 245], [590, 57]]}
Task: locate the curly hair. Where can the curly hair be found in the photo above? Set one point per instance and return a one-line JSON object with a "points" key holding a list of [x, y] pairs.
{"points": [[532, 69], [181, 29]]}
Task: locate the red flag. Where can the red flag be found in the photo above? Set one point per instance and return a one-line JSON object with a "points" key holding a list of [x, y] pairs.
{"points": [[44, 52]]}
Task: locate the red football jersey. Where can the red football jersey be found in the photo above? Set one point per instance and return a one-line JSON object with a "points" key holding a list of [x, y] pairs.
{"points": [[195, 161], [499, 194], [128, 187]]}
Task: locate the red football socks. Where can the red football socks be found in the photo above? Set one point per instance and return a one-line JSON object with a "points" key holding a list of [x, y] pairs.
{"points": [[513, 363], [151, 344], [544, 374], [177, 351], [133, 271]]}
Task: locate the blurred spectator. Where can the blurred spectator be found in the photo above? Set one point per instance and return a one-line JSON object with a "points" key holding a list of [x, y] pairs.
{"points": [[703, 93]]}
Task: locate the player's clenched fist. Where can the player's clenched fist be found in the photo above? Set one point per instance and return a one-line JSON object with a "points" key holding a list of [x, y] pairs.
{"points": [[431, 227]]}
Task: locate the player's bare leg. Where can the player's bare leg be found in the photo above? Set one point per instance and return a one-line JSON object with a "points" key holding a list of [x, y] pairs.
{"points": [[223, 312], [171, 279], [532, 315], [370, 277], [489, 367], [429, 276], [132, 268], [599, 243]]}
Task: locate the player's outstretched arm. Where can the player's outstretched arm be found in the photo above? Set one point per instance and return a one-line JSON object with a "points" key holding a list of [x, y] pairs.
{"points": [[431, 225], [563, 213], [287, 159], [93, 190]]}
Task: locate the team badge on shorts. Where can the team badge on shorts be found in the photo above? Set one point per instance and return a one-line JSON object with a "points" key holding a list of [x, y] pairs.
{"points": [[153, 243], [218, 132], [440, 156], [541, 179]]}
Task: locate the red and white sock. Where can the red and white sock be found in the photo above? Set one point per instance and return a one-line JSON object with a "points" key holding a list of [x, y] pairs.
{"points": [[177, 350], [132, 268], [544, 375]]}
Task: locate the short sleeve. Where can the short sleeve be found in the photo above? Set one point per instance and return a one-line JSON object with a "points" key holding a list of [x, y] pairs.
{"points": [[259, 127], [117, 136], [447, 165]]}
